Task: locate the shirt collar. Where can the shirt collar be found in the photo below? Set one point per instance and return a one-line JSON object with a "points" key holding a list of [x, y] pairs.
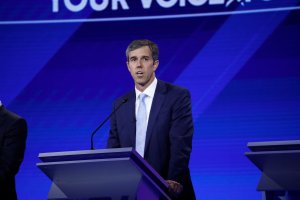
{"points": [[149, 91]]}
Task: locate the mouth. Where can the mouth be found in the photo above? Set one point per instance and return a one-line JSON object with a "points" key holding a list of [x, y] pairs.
{"points": [[139, 74]]}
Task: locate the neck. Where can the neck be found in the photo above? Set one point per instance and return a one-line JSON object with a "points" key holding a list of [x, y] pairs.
{"points": [[142, 88]]}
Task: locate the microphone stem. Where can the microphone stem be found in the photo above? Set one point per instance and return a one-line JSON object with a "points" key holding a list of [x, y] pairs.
{"points": [[95, 131]]}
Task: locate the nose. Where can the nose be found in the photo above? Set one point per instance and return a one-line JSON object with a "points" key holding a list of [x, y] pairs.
{"points": [[139, 63]]}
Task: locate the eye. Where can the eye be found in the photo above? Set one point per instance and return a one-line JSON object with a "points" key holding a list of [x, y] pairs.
{"points": [[132, 59], [146, 58]]}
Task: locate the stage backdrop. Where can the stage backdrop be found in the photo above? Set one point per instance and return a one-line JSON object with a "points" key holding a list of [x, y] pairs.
{"points": [[62, 64]]}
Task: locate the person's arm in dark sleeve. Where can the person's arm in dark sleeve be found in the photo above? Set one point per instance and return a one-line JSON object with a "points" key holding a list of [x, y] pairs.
{"points": [[181, 134], [12, 150]]}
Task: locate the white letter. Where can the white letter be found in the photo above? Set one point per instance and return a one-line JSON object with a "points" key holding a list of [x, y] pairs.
{"points": [[54, 5], [182, 3], [99, 7], [197, 2], [215, 2], [75, 8], [146, 3], [167, 4], [123, 3]]}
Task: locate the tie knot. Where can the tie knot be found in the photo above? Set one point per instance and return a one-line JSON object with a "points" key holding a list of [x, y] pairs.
{"points": [[142, 96]]}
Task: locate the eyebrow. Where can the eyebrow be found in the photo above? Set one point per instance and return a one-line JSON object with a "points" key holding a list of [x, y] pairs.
{"points": [[130, 58], [136, 57]]}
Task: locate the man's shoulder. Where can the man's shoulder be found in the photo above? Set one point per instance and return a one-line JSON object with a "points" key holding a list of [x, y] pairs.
{"points": [[9, 118], [172, 88], [7, 114], [125, 97]]}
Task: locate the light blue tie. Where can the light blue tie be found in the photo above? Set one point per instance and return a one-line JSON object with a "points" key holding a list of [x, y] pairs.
{"points": [[141, 125]]}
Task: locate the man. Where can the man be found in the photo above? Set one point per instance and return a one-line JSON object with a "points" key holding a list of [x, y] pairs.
{"points": [[156, 120], [13, 133]]}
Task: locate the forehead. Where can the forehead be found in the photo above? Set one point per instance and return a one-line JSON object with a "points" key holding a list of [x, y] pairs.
{"points": [[140, 52]]}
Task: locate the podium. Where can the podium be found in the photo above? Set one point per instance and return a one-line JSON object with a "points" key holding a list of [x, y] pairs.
{"points": [[107, 174], [279, 162]]}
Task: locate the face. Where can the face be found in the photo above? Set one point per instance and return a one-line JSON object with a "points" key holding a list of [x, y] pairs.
{"points": [[142, 67]]}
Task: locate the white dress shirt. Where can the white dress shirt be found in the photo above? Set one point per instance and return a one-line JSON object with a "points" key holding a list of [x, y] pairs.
{"points": [[150, 91]]}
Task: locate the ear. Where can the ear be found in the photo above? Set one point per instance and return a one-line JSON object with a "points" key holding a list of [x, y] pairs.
{"points": [[128, 67], [155, 65]]}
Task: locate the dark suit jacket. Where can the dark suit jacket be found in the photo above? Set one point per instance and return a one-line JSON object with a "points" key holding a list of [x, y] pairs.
{"points": [[13, 133], [169, 133]]}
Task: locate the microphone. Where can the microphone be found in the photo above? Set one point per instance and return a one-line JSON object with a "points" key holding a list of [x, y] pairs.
{"points": [[113, 112]]}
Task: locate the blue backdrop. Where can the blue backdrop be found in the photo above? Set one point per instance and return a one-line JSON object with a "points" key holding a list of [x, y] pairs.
{"points": [[240, 60]]}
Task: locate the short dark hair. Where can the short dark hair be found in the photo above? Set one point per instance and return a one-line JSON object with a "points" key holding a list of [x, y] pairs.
{"points": [[136, 44]]}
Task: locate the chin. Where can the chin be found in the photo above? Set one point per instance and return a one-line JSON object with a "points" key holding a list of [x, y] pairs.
{"points": [[141, 82]]}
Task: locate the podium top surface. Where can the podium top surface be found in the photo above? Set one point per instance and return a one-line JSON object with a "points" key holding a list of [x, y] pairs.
{"points": [[274, 145], [85, 154]]}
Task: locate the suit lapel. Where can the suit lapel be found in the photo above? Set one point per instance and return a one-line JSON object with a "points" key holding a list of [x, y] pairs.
{"points": [[158, 100], [2, 122], [2, 113], [130, 112]]}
